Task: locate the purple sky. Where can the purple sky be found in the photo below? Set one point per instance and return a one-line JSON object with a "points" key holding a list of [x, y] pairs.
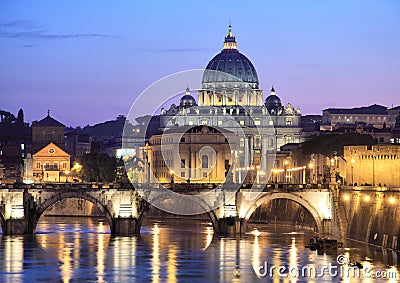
{"points": [[88, 60]]}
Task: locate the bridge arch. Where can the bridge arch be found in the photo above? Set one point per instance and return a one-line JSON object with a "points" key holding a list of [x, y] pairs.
{"points": [[290, 196], [200, 202], [66, 195]]}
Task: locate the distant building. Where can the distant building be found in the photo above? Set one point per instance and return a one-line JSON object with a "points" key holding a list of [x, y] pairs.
{"points": [[77, 144], [377, 165], [45, 131], [380, 135], [201, 155], [374, 115], [51, 164], [394, 113]]}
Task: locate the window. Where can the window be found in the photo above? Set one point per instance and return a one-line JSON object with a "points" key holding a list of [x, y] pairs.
{"points": [[219, 122], [204, 175], [204, 161], [288, 121], [38, 165], [271, 123], [183, 174], [257, 122], [182, 139], [190, 123], [183, 164], [241, 122]]}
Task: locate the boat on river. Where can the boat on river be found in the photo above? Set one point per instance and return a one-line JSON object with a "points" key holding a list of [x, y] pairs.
{"points": [[323, 244]]}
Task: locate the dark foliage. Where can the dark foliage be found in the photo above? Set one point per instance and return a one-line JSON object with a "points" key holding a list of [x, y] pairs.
{"points": [[97, 167], [330, 143]]}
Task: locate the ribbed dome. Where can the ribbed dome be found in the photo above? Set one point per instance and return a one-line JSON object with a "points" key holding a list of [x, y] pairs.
{"points": [[187, 100], [230, 66], [273, 103]]}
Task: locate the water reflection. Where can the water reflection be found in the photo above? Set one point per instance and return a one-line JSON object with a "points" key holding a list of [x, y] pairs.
{"points": [[82, 250]]}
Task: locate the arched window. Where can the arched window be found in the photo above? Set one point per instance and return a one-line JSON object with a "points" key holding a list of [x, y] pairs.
{"points": [[204, 161]]}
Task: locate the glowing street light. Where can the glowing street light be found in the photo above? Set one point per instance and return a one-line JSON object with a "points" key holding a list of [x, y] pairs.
{"points": [[352, 171]]}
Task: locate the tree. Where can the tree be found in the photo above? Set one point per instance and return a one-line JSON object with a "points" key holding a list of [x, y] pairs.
{"points": [[330, 143], [20, 118], [97, 167]]}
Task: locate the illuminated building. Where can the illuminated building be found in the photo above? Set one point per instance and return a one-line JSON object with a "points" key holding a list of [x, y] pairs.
{"points": [[374, 115], [231, 99], [377, 165], [51, 164], [197, 163]]}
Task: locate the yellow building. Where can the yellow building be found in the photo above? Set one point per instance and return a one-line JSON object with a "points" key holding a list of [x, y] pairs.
{"points": [[199, 154], [51, 164], [377, 165]]}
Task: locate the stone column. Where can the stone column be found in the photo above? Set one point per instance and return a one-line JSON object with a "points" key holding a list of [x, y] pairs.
{"points": [[263, 153], [251, 138], [246, 152], [17, 227], [125, 226]]}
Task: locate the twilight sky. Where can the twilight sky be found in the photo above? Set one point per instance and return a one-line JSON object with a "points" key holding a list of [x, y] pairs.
{"points": [[86, 61]]}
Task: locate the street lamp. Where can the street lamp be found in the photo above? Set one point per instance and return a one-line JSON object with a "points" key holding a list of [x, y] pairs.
{"points": [[257, 176], [352, 171], [373, 170], [171, 172], [311, 177], [285, 163]]}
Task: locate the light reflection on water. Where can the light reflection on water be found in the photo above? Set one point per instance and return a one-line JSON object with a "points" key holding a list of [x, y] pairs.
{"points": [[82, 250]]}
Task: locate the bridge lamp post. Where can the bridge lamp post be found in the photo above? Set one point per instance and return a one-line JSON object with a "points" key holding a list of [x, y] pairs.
{"points": [[257, 174], [311, 177], [333, 171], [171, 172], [285, 164], [304, 175]]}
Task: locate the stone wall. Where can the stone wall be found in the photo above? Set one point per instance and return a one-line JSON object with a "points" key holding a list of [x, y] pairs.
{"points": [[371, 216]]}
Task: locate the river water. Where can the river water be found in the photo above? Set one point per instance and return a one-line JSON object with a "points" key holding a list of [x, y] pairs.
{"points": [[82, 250]]}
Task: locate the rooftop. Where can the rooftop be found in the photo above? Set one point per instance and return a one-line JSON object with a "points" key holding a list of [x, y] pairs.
{"points": [[372, 109]]}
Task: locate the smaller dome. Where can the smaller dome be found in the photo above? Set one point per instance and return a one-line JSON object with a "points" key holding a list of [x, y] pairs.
{"points": [[273, 103], [187, 100]]}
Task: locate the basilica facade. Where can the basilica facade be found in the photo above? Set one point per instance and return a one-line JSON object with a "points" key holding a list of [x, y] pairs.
{"points": [[231, 101]]}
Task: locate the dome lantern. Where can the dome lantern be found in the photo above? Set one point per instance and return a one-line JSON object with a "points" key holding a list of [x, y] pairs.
{"points": [[230, 41]]}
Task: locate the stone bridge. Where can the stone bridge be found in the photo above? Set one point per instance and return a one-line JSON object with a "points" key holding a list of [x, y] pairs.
{"points": [[21, 205]]}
